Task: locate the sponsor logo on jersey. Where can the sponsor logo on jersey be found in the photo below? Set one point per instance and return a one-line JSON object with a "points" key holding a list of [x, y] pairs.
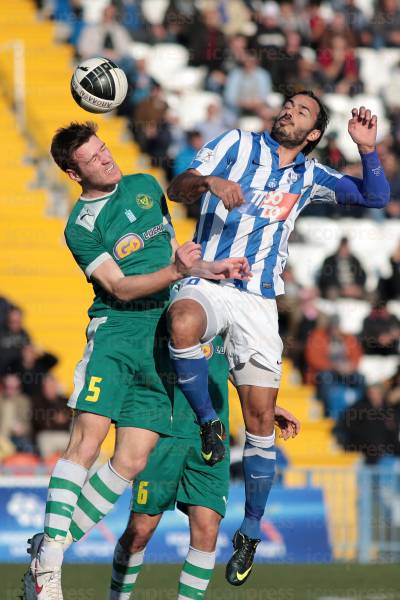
{"points": [[275, 206], [128, 244], [150, 233], [144, 201], [130, 216]]}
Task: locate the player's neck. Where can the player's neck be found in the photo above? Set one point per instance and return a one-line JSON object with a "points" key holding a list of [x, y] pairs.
{"points": [[91, 193], [287, 156]]}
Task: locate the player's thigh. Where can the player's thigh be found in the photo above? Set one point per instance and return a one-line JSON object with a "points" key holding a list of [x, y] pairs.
{"points": [[100, 379], [207, 295], [132, 448], [155, 488], [147, 402], [201, 485], [254, 332]]}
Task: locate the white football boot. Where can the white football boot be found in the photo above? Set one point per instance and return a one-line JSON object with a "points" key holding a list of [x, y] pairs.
{"points": [[41, 583]]}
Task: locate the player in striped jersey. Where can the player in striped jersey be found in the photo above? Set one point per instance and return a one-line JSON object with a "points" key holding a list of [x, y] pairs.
{"points": [[252, 187]]}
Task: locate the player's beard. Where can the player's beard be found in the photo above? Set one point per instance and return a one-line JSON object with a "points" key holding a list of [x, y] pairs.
{"points": [[288, 139]]}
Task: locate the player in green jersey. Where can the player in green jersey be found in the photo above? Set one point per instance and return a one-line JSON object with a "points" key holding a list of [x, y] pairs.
{"points": [[176, 475], [119, 232]]}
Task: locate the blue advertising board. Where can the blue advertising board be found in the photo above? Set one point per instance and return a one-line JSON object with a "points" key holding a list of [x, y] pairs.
{"points": [[294, 528]]}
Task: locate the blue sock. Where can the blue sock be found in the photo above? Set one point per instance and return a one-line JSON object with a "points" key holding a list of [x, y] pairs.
{"points": [[191, 368], [259, 459]]}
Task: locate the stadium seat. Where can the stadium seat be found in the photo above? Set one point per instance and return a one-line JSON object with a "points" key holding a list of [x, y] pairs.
{"points": [[394, 307], [139, 50], [250, 123], [164, 61], [351, 314], [193, 107], [377, 369], [305, 261], [154, 10], [21, 464], [186, 79]]}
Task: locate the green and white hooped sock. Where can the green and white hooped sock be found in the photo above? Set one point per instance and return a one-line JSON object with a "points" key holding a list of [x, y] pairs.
{"points": [[126, 568], [64, 490], [98, 496], [196, 574]]}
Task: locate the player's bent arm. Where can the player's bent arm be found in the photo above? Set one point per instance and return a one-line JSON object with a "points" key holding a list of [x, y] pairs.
{"points": [[189, 186], [372, 191], [133, 287]]}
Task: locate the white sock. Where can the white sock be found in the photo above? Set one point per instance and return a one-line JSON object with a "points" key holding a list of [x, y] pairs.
{"points": [[196, 574]]}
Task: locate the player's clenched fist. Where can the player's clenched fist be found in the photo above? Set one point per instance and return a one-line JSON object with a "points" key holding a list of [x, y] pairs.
{"points": [[229, 192], [228, 268], [186, 256]]}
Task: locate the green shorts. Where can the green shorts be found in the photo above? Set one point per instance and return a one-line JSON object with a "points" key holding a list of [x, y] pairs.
{"points": [[120, 374], [177, 475]]}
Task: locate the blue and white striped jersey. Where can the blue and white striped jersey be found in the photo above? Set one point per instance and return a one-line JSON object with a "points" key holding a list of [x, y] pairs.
{"points": [[275, 196]]}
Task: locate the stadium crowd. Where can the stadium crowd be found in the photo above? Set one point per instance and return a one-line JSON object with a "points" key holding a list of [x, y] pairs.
{"points": [[247, 54], [34, 418]]}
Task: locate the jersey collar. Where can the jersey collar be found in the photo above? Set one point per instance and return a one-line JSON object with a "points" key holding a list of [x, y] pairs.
{"points": [[274, 145], [103, 197]]}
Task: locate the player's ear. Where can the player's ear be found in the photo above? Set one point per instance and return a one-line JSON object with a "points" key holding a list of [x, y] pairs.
{"points": [[74, 175], [314, 135]]}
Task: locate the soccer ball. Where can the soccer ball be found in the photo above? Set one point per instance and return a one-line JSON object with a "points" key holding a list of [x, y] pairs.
{"points": [[98, 85]]}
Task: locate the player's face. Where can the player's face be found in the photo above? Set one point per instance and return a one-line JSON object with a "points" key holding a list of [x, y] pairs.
{"points": [[96, 170], [294, 125]]}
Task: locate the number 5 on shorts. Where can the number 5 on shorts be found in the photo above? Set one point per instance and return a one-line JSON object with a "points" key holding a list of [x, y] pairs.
{"points": [[94, 388]]}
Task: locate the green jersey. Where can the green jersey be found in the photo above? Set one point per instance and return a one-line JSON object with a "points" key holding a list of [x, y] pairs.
{"points": [[184, 423], [129, 225]]}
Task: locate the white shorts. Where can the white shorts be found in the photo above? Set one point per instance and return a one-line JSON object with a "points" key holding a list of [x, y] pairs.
{"points": [[247, 322]]}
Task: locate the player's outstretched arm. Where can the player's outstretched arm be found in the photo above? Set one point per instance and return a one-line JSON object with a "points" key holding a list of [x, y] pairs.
{"points": [[190, 185], [133, 287], [373, 190]]}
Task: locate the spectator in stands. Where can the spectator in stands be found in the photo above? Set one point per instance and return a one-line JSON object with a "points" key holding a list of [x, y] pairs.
{"points": [[194, 143], [332, 359], [393, 391], [389, 288], [215, 123], [381, 331], [370, 426], [207, 44], [386, 24], [15, 414], [13, 338], [34, 366], [316, 23], [108, 38], [269, 34], [51, 418], [285, 66], [149, 125], [356, 21], [341, 274], [247, 87], [4, 310], [339, 67], [304, 325]]}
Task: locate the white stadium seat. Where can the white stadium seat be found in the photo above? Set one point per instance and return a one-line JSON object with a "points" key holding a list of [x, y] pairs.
{"points": [[305, 261], [166, 60], [351, 314], [394, 308], [192, 107], [320, 232], [154, 10], [250, 123], [138, 50], [185, 80], [378, 368]]}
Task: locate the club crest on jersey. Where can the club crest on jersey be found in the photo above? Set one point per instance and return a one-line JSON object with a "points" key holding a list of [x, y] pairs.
{"points": [[208, 350], [128, 244], [144, 201], [204, 155]]}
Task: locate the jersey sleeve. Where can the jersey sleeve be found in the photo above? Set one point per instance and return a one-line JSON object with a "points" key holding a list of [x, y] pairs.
{"points": [[86, 248], [324, 183], [217, 154]]}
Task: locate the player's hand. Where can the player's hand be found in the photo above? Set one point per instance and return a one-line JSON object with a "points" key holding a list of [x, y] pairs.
{"points": [[228, 268], [186, 256], [288, 424], [363, 129], [229, 192]]}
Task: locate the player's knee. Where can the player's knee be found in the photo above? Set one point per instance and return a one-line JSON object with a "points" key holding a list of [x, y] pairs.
{"points": [[135, 538], [184, 327], [128, 466]]}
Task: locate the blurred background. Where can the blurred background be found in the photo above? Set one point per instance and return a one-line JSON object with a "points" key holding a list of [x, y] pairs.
{"points": [[196, 69]]}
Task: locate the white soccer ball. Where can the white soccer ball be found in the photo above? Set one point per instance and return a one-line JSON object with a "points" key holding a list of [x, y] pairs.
{"points": [[98, 85]]}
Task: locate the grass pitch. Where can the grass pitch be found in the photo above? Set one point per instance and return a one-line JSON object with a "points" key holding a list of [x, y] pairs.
{"points": [[283, 582]]}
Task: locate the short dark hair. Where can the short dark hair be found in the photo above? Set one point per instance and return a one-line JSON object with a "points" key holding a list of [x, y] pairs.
{"points": [[321, 122], [68, 139]]}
